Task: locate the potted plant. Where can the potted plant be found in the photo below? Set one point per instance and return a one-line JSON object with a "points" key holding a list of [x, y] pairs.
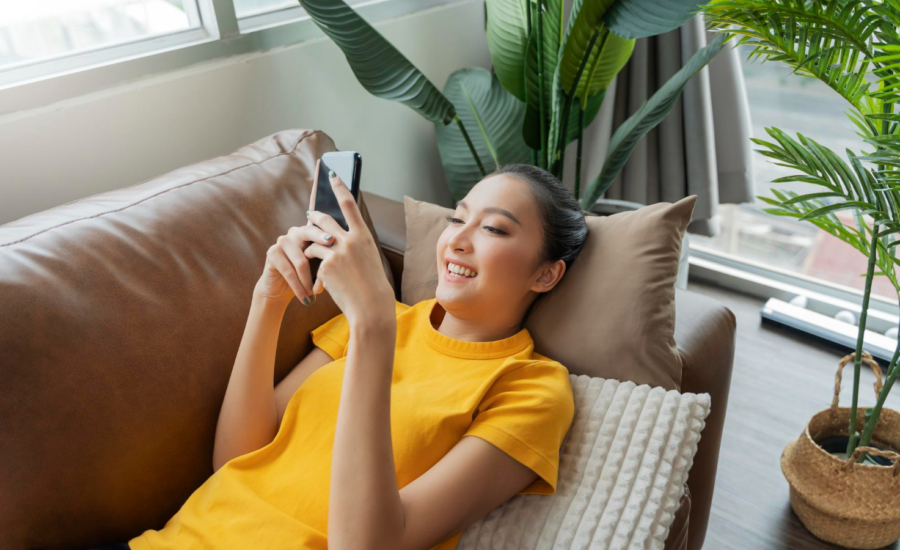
{"points": [[853, 47], [546, 85]]}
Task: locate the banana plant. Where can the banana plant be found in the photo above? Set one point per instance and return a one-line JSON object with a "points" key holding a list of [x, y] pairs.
{"points": [[547, 83], [853, 46]]}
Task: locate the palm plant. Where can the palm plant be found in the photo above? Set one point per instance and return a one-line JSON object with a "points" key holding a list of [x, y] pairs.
{"points": [[853, 46], [546, 86]]}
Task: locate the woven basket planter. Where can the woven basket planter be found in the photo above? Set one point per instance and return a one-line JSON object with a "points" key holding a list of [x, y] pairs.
{"points": [[839, 501]]}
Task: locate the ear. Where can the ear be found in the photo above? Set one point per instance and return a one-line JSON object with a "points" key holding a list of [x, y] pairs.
{"points": [[549, 276]]}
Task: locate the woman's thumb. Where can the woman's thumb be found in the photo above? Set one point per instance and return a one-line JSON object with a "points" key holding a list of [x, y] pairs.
{"points": [[318, 286]]}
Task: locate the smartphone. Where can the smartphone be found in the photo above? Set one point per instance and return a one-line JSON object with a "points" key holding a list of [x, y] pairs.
{"points": [[347, 165]]}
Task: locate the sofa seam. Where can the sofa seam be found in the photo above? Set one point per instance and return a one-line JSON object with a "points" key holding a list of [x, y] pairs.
{"points": [[291, 152]]}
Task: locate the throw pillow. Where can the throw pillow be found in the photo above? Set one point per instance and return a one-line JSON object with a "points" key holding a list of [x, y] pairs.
{"points": [[623, 469], [613, 313]]}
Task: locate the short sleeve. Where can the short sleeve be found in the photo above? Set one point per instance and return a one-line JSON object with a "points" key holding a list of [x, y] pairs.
{"points": [[527, 413], [334, 335]]}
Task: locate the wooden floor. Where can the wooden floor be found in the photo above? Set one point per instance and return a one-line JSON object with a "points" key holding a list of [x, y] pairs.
{"points": [[780, 380]]}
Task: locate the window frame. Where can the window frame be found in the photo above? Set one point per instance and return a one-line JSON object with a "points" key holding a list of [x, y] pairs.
{"points": [[764, 281], [23, 74], [220, 36]]}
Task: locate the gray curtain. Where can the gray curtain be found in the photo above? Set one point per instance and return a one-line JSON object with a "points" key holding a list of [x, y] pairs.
{"points": [[701, 148]]}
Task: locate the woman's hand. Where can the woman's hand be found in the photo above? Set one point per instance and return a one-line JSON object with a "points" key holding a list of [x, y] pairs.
{"points": [[351, 268], [287, 272]]}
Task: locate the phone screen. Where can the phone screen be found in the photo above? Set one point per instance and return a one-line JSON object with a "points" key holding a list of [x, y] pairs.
{"points": [[345, 164]]}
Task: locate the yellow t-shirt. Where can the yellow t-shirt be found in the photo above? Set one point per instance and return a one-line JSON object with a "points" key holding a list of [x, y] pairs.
{"points": [[442, 390]]}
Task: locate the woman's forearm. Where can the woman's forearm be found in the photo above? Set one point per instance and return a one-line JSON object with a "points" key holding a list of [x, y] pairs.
{"points": [[248, 419], [364, 508]]}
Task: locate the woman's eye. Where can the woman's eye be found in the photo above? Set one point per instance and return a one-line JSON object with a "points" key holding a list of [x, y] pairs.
{"points": [[451, 219]]}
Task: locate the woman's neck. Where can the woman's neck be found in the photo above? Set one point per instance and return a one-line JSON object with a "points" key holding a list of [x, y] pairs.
{"points": [[469, 331]]}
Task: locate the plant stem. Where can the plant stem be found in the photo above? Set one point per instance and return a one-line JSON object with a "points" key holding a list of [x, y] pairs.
{"points": [[469, 143], [540, 61], [851, 442], [534, 157], [567, 105], [893, 371], [578, 157], [528, 23]]}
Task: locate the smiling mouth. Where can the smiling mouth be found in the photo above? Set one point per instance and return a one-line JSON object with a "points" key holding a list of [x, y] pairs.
{"points": [[459, 272]]}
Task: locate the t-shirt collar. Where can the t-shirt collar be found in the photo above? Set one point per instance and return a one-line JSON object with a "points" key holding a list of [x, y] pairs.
{"points": [[471, 350]]}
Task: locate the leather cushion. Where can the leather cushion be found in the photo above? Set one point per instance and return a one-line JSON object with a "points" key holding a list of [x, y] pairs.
{"points": [[613, 313]]}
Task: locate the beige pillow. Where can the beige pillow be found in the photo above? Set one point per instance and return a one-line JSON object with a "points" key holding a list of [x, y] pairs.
{"points": [[613, 313]]}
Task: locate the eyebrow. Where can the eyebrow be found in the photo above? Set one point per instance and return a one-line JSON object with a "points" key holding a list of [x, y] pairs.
{"points": [[494, 209]]}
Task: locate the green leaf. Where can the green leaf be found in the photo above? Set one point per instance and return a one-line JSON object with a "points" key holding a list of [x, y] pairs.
{"points": [[382, 70], [507, 38], [588, 22], [501, 114], [607, 57], [590, 113], [801, 198], [484, 134], [776, 212], [552, 29], [648, 115], [831, 208], [805, 179], [885, 116], [834, 41], [641, 18]]}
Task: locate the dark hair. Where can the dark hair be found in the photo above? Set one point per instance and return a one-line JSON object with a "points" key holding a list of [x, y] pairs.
{"points": [[562, 218]]}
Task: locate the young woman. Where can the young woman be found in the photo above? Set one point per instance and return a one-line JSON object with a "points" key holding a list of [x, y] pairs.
{"points": [[362, 445]]}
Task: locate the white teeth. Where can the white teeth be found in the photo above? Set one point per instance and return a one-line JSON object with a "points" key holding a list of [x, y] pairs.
{"points": [[461, 271]]}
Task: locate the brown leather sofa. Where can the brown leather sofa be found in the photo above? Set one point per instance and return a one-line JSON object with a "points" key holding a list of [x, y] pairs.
{"points": [[121, 317]]}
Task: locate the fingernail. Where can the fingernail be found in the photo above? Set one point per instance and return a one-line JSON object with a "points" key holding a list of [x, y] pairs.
{"points": [[304, 301], [308, 212], [327, 237], [313, 299], [331, 173]]}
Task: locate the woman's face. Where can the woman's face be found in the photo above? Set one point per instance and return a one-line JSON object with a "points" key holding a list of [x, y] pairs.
{"points": [[495, 232]]}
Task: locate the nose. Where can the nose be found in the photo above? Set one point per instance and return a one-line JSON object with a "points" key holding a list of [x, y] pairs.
{"points": [[459, 240]]}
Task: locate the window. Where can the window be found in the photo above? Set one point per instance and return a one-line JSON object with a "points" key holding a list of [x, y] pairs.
{"points": [[48, 46], [247, 8], [41, 37], [793, 104], [256, 15]]}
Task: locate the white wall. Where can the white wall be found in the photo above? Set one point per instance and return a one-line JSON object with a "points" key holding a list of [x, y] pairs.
{"points": [[123, 135]]}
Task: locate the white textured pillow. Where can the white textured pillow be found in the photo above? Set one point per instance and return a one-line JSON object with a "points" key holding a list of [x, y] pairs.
{"points": [[622, 470]]}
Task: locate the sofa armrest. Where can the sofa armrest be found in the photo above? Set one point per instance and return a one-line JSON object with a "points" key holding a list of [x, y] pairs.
{"points": [[705, 333], [389, 218]]}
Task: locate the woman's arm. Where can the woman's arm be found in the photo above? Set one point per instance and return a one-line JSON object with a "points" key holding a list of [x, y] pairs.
{"points": [[248, 419], [364, 507]]}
